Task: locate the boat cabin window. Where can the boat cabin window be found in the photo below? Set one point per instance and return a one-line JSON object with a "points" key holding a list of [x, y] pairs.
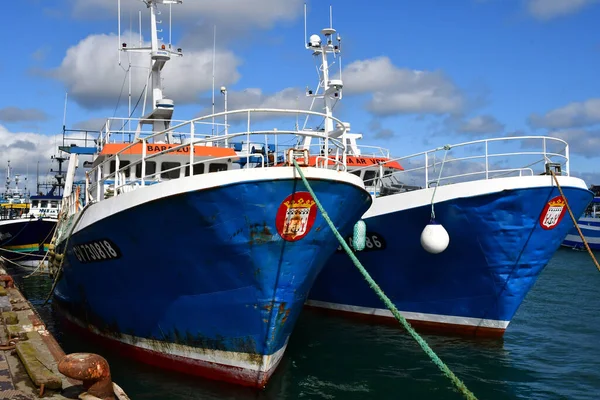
{"points": [[369, 177], [217, 167], [357, 173], [44, 204], [123, 163], [150, 168], [35, 204], [198, 169], [54, 204], [166, 166]]}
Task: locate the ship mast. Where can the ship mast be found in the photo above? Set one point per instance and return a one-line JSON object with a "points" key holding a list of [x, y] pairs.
{"points": [[8, 177], [59, 177], [331, 88], [162, 108]]}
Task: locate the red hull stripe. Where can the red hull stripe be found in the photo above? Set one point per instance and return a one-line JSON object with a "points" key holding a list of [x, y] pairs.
{"points": [[209, 370], [421, 326]]}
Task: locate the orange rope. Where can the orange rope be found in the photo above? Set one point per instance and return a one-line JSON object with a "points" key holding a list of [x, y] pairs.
{"points": [[77, 194], [575, 221]]}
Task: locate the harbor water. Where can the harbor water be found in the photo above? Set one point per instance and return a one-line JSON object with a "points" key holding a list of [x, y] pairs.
{"points": [[551, 350]]}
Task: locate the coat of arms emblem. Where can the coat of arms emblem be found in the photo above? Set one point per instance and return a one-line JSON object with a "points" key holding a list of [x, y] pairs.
{"points": [[553, 213], [296, 216]]}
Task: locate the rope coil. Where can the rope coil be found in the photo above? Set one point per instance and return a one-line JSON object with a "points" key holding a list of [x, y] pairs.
{"points": [[436, 360]]}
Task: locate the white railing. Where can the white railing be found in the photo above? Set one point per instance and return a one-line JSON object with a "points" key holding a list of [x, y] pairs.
{"points": [[365, 151], [72, 203], [461, 162], [118, 130], [119, 183]]}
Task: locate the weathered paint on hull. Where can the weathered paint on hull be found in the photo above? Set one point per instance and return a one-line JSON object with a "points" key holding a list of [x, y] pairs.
{"points": [[206, 270], [163, 360]]}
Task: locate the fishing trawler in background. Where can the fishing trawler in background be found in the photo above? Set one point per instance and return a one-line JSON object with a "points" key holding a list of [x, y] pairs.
{"points": [[457, 235], [181, 256], [27, 222], [589, 224]]}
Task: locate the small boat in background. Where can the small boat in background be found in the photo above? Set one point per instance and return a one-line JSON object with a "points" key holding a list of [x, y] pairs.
{"points": [[589, 224], [27, 222]]}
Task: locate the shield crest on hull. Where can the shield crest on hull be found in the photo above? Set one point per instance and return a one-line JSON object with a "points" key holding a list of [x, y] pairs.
{"points": [[553, 213], [296, 216]]}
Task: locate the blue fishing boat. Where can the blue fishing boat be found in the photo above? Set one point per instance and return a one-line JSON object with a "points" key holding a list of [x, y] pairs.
{"points": [[589, 224], [187, 249], [27, 222], [456, 236]]}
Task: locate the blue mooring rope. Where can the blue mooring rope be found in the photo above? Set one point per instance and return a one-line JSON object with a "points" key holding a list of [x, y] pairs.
{"points": [[436, 360]]}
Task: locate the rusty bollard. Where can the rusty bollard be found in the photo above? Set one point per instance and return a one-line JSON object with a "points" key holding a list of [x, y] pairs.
{"points": [[7, 280], [93, 370]]}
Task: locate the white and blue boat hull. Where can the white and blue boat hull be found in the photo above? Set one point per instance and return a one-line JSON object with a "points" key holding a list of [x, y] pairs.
{"points": [[194, 274], [590, 229], [502, 235], [24, 241]]}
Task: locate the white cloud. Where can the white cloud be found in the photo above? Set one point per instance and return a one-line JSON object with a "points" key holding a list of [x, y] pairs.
{"points": [[92, 124], [453, 171], [41, 54], [379, 132], [289, 98], [28, 151], [548, 9], [590, 178], [234, 13], [24, 149], [481, 124], [91, 73], [573, 115], [400, 90], [581, 141], [16, 114]]}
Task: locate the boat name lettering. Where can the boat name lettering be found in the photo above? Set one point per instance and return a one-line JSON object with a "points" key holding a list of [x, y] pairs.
{"points": [[373, 242], [95, 251], [364, 161], [155, 148]]}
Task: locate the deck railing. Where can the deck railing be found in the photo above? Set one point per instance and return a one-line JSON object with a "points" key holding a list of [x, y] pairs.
{"points": [[192, 138], [476, 160]]}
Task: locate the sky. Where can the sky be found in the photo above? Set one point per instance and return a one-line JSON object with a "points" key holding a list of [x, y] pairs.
{"points": [[417, 74]]}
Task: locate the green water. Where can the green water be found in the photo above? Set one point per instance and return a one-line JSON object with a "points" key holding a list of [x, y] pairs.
{"points": [[551, 350]]}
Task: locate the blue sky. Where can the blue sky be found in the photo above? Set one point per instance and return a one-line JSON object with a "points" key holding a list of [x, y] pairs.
{"points": [[417, 74]]}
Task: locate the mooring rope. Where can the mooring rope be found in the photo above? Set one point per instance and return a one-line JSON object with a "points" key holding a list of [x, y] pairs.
{"points": [[13, 261], [62, 260], [41, 264], [22, 253], [447, 148], [436, 360], [575, 220]]}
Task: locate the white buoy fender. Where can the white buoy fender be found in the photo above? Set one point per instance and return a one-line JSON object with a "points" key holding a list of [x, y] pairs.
{"points": [[434, 238]]}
